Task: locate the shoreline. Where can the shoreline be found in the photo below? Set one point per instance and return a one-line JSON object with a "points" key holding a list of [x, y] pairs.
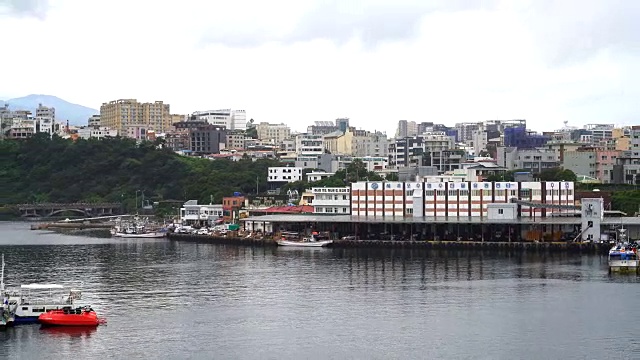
{"points": [[534, 247]]}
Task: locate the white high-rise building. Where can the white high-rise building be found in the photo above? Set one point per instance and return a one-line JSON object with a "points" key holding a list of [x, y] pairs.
{"points": [[309, 144], [46, 112], [231, 119]]}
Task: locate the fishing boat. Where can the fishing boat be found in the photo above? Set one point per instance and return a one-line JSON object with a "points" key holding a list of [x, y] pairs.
{"points": [[133, 234], [68, 316], [624, 258], [135, 229], [32, 300], [310, 241]]}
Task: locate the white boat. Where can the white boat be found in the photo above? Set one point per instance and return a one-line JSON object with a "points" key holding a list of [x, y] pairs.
{"points": [[623, 257], [135, 230], [145, 235], [35, 299], [305, 242]]}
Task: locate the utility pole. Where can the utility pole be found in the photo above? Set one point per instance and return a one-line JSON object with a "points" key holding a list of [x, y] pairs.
{"points": [[257, 183]]}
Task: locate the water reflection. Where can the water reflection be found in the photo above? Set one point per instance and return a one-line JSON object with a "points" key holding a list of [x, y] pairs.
{"points": [[68, 332], [221, 301]]}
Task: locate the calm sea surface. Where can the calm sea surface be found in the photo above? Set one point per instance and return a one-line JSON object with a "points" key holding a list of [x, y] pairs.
{"points": [[170, 300]]}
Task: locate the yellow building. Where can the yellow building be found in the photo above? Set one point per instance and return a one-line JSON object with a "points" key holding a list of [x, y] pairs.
{"points": [[623, 143], [120, 114]]}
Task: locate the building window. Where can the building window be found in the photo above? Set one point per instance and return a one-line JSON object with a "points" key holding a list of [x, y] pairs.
{"points": [[500, 211]]}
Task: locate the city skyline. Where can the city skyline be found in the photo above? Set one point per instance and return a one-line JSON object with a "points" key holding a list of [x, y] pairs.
{"points": [[317, 61]]}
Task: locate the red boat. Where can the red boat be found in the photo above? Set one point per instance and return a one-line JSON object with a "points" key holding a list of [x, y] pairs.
{"points": [[71, 317]]}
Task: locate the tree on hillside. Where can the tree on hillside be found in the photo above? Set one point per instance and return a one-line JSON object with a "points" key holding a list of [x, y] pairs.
{"points": [[557, 174], [43, 169], [252, 133]]}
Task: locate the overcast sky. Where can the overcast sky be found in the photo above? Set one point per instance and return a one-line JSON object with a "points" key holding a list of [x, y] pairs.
{"points": [[298, 61]]}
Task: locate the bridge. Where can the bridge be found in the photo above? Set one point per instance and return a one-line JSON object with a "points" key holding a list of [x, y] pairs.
{"points": [[80, 209]]}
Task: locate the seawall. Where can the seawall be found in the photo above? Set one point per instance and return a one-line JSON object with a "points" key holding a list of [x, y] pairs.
{"points": [[536, 247], [70, 225]]}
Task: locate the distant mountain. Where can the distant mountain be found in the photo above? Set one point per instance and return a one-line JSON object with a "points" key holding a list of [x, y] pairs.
{"points": [[76, 114]]}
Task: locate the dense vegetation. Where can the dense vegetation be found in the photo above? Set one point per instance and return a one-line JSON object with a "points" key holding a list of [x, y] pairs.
{"points": [[116, 170], [554, 174]]}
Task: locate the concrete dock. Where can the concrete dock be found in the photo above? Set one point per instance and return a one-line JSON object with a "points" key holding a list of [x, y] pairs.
{"points": [[534, 247]]}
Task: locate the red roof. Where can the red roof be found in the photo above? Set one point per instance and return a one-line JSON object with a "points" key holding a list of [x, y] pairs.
{"points": [[302, 209]]}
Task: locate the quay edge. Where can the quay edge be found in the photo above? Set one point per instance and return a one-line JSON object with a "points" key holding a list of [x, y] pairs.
{"points": [[568, 247]]}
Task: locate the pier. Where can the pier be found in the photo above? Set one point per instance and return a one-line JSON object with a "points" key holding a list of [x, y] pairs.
{"points": [[533, 247]]}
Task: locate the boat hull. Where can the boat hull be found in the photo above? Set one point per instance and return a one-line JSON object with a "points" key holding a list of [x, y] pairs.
{"points": [[305, 243], [624, 265], [59, 319], [22, 320], [140, 236]]}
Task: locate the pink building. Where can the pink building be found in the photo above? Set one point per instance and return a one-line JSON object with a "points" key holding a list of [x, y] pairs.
{"points": [[605, 159]]}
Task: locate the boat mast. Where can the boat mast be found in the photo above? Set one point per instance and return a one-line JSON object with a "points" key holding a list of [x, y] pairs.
{"points": [[2, 277]]}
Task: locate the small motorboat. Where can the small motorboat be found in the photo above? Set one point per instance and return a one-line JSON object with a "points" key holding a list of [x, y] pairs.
{"points": [[68, 316]]}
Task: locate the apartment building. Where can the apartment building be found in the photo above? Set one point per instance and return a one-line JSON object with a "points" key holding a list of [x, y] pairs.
{"points": [[273, 133], [627, 167], [96, 132], [435, 149], [46, 112], [120, 114], [533, 160], [230, 119], [582, 162], [236, 140], [94, 121], [309, 144]]}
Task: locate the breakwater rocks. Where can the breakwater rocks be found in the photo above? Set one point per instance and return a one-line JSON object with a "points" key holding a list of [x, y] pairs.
{"points": [[535, 247]]}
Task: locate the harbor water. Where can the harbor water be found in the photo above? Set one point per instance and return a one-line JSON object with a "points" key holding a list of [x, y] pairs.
{"points": [[174, 300]]}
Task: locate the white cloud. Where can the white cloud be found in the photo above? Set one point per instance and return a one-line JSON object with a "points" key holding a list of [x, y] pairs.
{"points": [[300, 61], [28, 8]]}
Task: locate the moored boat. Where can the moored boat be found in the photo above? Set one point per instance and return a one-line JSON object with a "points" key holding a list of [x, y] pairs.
{"points": [[310, 241], [32, 300], [68, 316], [623, 257], [137, 229], [133, 235]]}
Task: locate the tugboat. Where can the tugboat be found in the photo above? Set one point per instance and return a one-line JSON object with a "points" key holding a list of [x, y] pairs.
{"points": [[68, 316]]}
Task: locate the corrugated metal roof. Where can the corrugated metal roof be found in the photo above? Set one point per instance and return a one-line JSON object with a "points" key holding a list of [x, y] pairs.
{"points": [[302, 209]]}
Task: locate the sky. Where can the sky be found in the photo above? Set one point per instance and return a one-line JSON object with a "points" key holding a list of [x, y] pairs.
{"points": [[299, 61]]}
